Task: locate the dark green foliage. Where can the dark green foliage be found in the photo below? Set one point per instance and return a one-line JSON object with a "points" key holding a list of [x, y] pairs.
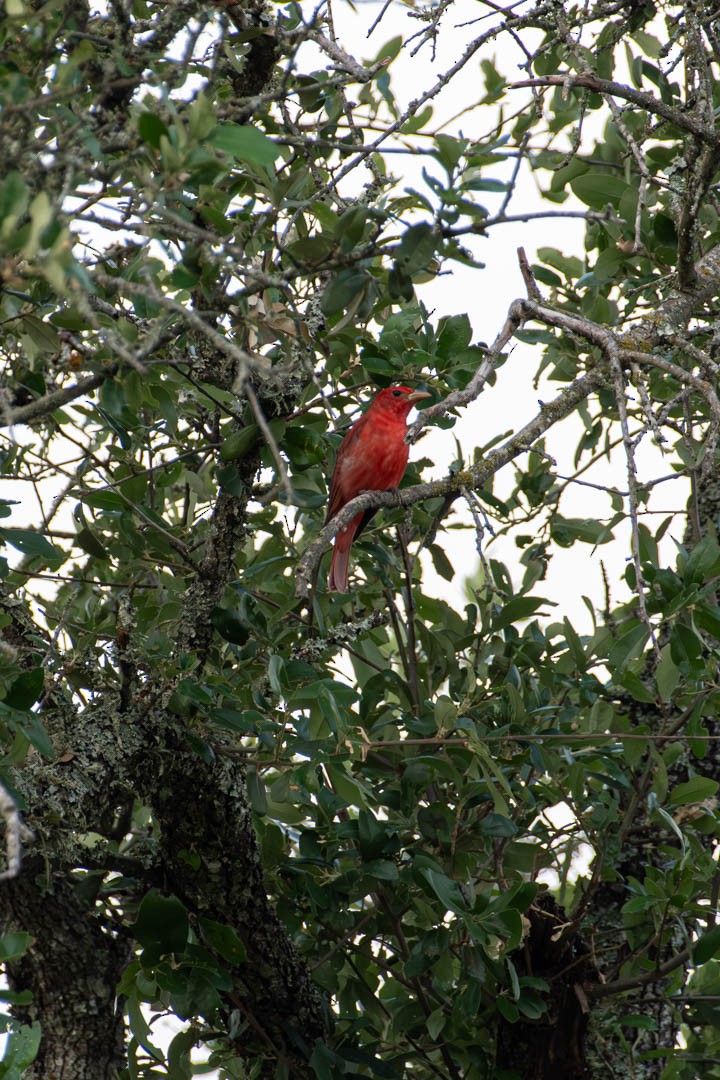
{"points": [[395, 833]]}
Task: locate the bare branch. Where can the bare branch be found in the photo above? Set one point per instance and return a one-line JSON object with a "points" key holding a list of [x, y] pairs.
{"points": [[473, 389], [55, 400], [686, 121]]}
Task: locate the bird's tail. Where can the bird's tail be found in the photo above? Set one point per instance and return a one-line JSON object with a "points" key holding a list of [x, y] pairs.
{"points": [[340, 562]]}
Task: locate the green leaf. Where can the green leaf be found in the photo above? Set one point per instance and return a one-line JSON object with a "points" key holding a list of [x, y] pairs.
{"points": [[104, 500], [42, 214], [636, 1020], [325, 1063], [229, 626], [245, 143], [415, 123], [707, 945], [20, 1051], [442, 564], [446, 890], [14, 197], [390, 49], [667, 675], [426, 952], [575, 645], [707, 618], [436, 1022], [43, 334], [161, 923], [342, 290], [627, 647], [450, 150], [178, 1054], [507, 1009], [597, 189], [634, 684], [14, 945], [201, 116], [381, 870], [17, 997], [276, 673], [498, 825], [256, 791], [519, 897], [693, 791], [33, 727], [89, 542], [239, 443], [686, 646], [517, 609], [531, 1005], [151, 129], [416, 248], [565, 531], [141, 1029], [224, 940], [347, 787], [26, 689], [703, 561], [33, 543]]}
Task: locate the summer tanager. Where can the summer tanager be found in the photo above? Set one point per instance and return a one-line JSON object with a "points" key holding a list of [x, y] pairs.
{"points": [[372, 457]]}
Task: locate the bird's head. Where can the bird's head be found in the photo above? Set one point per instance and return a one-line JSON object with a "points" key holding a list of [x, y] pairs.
{"points": [[397, 400]]}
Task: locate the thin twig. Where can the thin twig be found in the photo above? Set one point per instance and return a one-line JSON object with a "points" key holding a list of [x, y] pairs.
{"points": [[262, 423], [632, 499], [410, 623]]}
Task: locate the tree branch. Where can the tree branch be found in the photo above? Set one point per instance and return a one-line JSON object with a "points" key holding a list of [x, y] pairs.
{"points": [[474, 477], [55, 400], [679, 117]]}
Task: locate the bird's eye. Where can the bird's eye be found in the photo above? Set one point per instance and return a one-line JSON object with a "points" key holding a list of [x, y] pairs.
{"points": [[397, 393]]}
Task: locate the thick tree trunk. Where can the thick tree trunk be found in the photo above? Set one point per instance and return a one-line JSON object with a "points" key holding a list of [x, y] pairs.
{"points": [[72, 967], [552, 1047]]}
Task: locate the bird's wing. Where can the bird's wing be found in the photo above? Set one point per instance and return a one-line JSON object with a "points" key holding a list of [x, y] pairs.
{"points": [[338, 491]]}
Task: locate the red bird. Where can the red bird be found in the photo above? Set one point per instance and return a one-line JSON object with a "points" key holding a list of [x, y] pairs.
{"points": [[372, 457]]}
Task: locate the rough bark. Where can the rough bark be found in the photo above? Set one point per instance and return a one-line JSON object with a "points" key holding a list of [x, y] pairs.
{"points": [[195, 799], [72, 967], [553, 1047], [127, 745]]}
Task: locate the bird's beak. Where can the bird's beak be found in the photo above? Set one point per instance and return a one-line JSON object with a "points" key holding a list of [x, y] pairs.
{"points": [[417, 395]]}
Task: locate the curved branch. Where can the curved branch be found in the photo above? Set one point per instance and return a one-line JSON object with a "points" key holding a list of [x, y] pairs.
{"points": [[457, 398], [677, 309], [50, 402], [634, 982], [475, 477], [679, 117]]}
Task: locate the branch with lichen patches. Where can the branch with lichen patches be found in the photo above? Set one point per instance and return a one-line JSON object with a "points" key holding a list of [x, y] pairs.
{"points": [[680, 118], [457, 398], [472, 478], [339, 635], [519, 312]]}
